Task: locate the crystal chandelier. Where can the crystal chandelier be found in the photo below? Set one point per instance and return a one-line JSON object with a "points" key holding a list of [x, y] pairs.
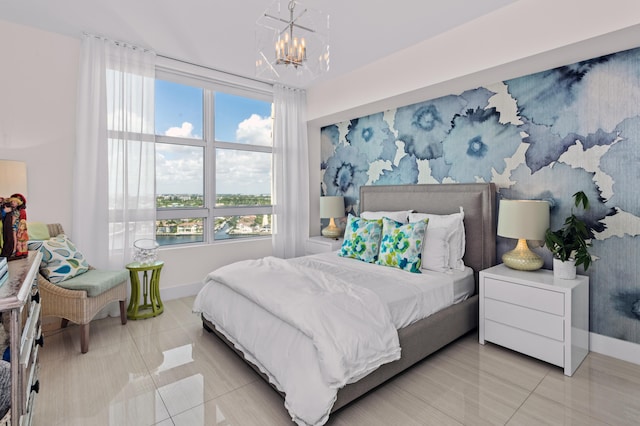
{"points": [[300, 37]]}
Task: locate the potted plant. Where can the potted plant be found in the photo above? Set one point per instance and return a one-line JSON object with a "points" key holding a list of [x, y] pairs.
{"points": [[570, 244]]}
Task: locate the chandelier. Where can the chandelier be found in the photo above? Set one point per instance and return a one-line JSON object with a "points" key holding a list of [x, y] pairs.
{"points": [[292, 43], [290, 50]]}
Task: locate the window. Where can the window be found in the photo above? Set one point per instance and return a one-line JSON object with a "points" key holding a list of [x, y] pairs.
{"points": [[213, 161]]}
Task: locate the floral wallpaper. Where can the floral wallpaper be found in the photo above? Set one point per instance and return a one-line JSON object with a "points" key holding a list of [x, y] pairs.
{"points": [[542, 136]]}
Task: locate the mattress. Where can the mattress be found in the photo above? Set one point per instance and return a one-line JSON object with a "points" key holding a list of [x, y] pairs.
{"points": [[411, 297]]}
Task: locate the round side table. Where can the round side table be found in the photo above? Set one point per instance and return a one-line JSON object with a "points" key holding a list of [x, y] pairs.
{"points": [[152, 306]]}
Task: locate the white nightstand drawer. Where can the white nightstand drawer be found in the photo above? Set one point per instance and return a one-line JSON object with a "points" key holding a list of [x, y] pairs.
{"points": [[540, 347], [531, 297], [316, 245], [531, 320]]}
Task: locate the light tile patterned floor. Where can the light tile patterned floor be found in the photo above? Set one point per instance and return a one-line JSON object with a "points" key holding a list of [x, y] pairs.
{"points": [[168, 371]]}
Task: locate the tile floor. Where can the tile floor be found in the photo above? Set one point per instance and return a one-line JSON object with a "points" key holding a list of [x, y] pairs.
{"points": [[168, 371]]}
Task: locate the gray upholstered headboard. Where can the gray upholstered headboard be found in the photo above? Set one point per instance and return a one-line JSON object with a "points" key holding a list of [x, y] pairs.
{"points": [[477, 199]]}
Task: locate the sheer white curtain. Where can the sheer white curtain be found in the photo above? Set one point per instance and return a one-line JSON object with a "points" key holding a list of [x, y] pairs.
{"points": [[290, 172], [114, 165]]}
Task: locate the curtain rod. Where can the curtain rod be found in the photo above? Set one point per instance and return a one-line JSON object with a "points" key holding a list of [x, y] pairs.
{"points": [[118, 42], [124, 43], [215, 70]]}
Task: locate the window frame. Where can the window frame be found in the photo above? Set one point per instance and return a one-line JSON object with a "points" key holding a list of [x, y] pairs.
{"points": [[209, 211]]}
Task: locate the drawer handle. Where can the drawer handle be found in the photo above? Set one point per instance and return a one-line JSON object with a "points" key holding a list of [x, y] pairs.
{"points": [[36, 387], [36, 297], [40, 341]]}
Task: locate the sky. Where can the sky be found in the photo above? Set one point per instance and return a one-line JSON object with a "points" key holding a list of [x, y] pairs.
{"points": [[179, 169]]}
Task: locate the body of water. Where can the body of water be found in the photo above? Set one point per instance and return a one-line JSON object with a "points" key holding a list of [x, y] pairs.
{"points": [[166, 240]]}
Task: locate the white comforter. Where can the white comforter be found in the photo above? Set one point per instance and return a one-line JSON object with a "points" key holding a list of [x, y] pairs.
{"points": [[331, 332]]}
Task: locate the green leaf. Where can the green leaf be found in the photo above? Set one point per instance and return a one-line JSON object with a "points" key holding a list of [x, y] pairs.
{"points": [[581, 198], [571, 241]]}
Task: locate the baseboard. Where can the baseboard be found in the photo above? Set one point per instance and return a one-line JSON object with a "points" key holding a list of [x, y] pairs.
{"points": [[180, 291], [616, 348]]}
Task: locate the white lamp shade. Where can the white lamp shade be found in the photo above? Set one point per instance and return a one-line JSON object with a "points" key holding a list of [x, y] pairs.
{"points": [[523, 219], [331, 206], [13, 178]]}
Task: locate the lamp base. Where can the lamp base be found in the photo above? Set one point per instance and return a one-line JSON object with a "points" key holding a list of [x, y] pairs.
{"points": [[332, 231], [522, 259]]}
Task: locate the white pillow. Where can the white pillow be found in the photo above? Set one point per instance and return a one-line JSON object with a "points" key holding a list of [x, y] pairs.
{"points": [[454, 235], [435, 250], [401, 216]]}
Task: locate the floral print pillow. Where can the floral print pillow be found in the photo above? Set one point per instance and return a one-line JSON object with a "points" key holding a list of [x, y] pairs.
{"points": [[401, 245], [361, 239]]}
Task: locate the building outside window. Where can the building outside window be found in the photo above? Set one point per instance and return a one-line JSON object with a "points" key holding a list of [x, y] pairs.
{"points": [[213, 161]]}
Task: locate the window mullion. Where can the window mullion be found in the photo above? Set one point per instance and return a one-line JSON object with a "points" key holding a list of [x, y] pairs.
{"points": [[180, 141], [181, 213], [243, 147], [209, 161], [243, 210]]}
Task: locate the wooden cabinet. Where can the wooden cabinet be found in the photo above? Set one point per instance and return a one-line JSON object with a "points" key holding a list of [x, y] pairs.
{"points": [[536, 314], [20, 300]]}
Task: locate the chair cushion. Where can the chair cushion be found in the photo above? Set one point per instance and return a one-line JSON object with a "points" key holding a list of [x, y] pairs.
{"points": [[95, 281]]}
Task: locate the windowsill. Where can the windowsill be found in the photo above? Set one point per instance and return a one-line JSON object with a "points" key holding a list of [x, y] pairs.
{"points": [[215, 243]]}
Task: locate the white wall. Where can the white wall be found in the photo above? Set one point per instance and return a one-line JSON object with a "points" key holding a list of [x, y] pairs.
{"points": [[522, 38], [38, 81], [37, 115]]}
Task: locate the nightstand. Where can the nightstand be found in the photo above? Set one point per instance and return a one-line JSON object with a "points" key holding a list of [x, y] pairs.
{"points": [[315, 245], [536, 314]]}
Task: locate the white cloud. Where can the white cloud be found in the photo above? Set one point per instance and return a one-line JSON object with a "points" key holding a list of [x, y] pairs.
{"points": [[255, 130], [243, 172], [180, 168], [185, 131]]}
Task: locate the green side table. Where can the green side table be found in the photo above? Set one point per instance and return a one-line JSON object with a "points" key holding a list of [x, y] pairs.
{"points": [[152, 306]]}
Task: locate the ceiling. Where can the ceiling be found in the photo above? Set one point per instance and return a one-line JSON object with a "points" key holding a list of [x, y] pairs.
{"points": [[220, 34]]}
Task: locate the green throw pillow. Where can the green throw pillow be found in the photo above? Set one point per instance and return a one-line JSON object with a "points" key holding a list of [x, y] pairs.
{"points": [[361, 239], [37, 231], [401, 245]]}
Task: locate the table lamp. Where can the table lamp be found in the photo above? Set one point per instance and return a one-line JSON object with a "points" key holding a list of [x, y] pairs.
{"points": [[523, 220], [330, 208]]}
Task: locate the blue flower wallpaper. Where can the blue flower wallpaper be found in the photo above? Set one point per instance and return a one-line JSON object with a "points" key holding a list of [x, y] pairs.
{"points": [[542, 136]]}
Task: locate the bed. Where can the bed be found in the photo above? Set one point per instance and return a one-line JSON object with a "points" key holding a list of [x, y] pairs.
{"points": [[417, 340]]}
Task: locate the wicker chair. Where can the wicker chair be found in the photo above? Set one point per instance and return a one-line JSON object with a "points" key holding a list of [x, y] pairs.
{"points": [[75, 305]]}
